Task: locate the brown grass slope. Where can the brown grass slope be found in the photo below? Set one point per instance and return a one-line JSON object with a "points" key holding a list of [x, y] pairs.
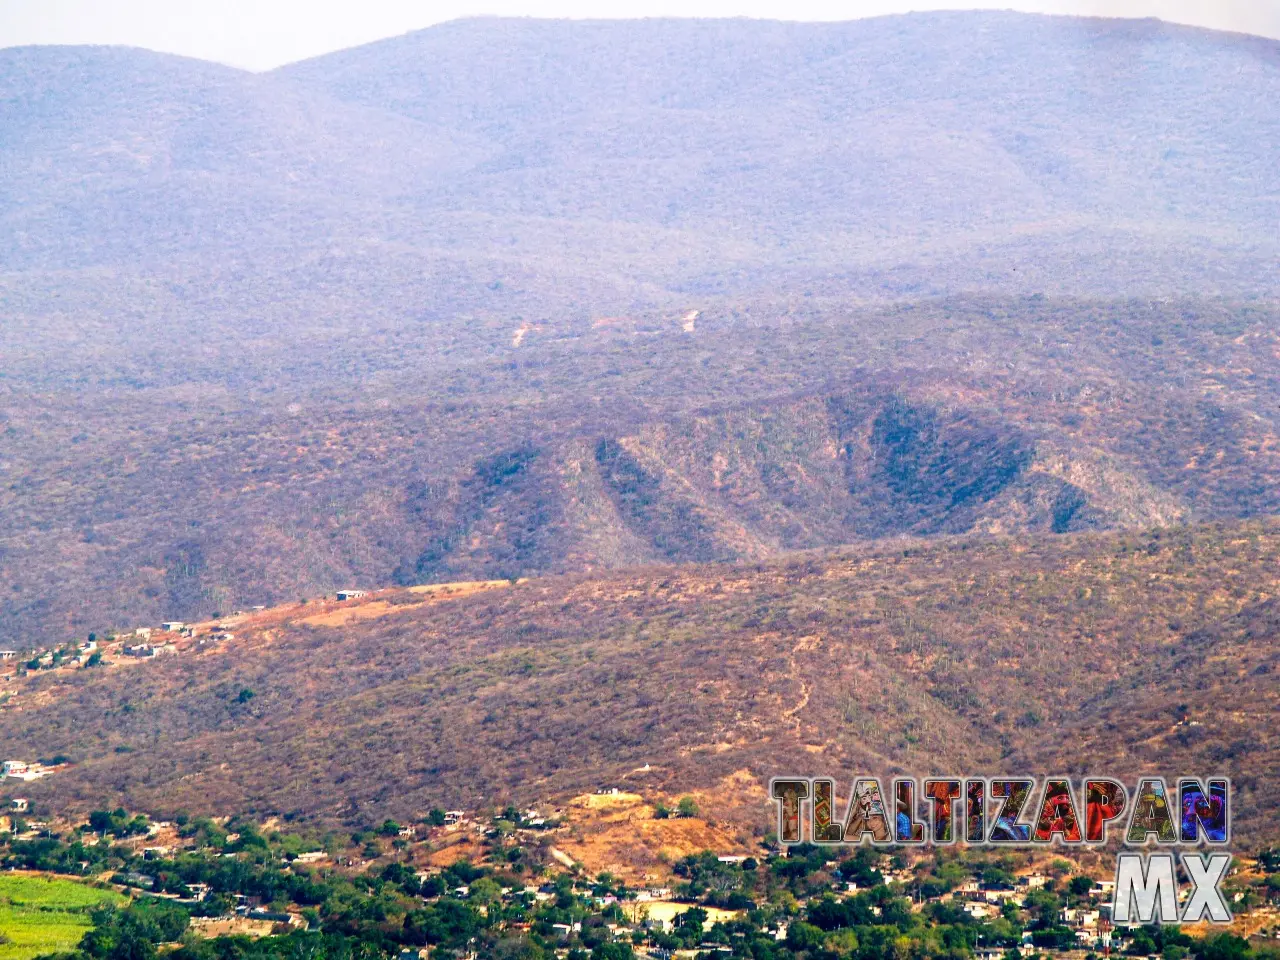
{"points": [[952, 656], [1209, 703]]}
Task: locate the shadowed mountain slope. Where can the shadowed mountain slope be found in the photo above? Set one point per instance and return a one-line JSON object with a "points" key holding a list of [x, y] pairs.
{"points": [[639, 442]]}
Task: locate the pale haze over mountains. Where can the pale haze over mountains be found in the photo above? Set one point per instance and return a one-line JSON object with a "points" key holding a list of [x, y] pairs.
{"points": [[526, 168], [264, 34]]}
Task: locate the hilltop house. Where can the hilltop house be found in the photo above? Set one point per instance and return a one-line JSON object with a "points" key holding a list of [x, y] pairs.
{"points": [[20, 770], [1073, 917], [1000, 896], [8, 654], [980, 909], [350, 594], [172, 626]]}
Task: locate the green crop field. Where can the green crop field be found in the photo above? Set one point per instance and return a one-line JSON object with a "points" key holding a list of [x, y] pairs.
{"points": [[45, 914]]}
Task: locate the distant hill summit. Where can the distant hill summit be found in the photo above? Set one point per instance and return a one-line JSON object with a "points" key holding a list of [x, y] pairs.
{"points": [[920, 153], [959, 149]]}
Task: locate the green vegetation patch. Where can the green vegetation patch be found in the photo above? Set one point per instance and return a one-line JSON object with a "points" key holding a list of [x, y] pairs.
{"points": [[41, 915]]}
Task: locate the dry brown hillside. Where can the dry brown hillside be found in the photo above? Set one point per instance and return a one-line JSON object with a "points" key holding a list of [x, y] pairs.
{"points": [[944, 656]]}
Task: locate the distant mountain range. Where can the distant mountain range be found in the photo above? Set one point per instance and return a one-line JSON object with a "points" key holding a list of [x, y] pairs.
{"points": [[513, 296], [547, 170]]}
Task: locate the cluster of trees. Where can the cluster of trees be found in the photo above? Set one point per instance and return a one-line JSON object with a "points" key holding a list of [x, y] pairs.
{"points": [[118, 823], [57, 856], [685, 807], [132, 933], [487, 909], [311, 945]]}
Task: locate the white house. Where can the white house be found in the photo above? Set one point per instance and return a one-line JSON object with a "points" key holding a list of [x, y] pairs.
{"points": [[21, 770], [350, 594]]}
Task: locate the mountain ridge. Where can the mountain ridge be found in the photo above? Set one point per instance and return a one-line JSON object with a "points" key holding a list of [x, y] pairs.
{"points": [[638, 441]]}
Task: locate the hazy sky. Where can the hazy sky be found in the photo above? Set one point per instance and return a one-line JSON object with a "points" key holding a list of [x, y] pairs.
{"points": [[259, 34]]}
